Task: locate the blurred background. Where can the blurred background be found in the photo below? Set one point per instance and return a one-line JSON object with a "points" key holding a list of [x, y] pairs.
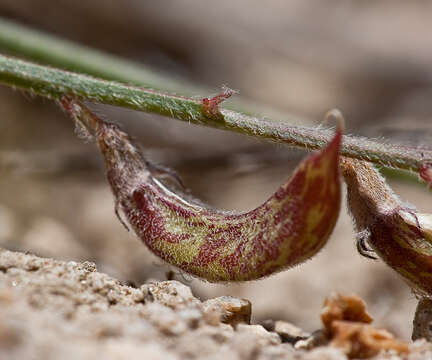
{"points": [[371, 59]]}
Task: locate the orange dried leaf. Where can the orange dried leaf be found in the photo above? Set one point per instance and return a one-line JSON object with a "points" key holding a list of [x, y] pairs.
{"points": [[342, 307], [346, 322], [359, 340]]}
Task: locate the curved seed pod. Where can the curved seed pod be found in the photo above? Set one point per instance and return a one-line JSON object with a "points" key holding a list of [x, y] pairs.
{"points": [[289, 228], [398, 234]]}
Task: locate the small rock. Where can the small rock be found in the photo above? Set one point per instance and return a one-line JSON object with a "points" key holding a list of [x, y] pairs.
{"points": [[220, 334], [261, 335], [192, 317], [317, 338], [325, 353], [191, 348], [230, 310], [165, 319], [172, 294], [288, 332], [249, 341], [281, 352], [89, 266]]}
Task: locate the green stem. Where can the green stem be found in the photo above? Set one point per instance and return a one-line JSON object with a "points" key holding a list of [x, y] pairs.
{"points": [[38, 46], [53, 83]]}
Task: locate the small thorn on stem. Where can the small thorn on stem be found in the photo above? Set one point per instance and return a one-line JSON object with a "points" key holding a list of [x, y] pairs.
{"points": [[211, 105]]}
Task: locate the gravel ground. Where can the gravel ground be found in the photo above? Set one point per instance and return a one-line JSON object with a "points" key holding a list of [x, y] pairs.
{"points": [[52, 309]]}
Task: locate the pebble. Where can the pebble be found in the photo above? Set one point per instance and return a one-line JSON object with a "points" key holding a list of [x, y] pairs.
{"points": [[288, 332], [261, 335], [230, 310]]}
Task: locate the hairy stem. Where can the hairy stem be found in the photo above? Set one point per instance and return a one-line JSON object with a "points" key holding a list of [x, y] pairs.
{"points": [[41, 47], [53, 83]]}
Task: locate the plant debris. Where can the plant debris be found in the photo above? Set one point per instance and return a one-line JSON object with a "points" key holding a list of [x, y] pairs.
{"points": [[346, 324]]}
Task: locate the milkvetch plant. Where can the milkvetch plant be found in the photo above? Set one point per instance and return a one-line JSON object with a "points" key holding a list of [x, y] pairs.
{"points": [[289, 228]]}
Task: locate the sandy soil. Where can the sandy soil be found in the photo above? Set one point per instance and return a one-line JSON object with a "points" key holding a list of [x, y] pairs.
{"points": [[67, 310]]}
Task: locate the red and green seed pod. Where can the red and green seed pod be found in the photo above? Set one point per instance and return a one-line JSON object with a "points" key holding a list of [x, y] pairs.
{"points": [[289, 228]]}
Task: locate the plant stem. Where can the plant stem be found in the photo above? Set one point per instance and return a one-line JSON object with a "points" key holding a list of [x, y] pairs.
{"points": [[53, 83], [38, 46]]}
